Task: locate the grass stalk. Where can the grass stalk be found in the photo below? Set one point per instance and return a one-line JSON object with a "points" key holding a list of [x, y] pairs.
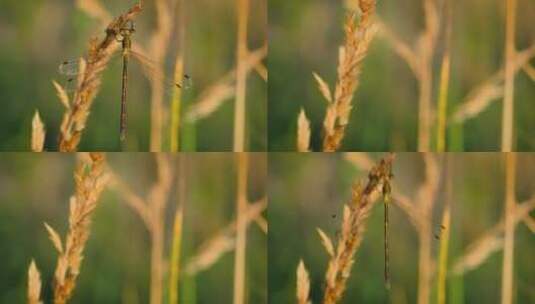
{"points": [[152, 211], [443, 256], [444, 237], [419, 58], [158, 49], [509, 229], [157, 201], [241, 229], [176, 244], [508, 102], [241, 76], [426, 202], [456, 281], [156, 264], [176, 106], [424, 109], [425, 74], [444, 84], [175, 256], [176, 102], [424, 263]]}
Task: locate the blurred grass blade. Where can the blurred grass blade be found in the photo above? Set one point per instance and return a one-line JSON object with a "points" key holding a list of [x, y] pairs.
{"points": [[175, 256]]}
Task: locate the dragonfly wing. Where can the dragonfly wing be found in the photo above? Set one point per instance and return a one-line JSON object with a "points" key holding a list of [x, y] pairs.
{"points": [[69, 67], [154, 73]]}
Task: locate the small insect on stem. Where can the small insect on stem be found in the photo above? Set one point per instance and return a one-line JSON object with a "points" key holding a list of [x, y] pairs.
{"points": [[439, 233], [186, 82]]}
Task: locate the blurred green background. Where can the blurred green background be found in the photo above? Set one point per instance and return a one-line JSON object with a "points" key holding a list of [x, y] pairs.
{"points": [[307, 191], [35, 188], [305, 36], [36, 36]]}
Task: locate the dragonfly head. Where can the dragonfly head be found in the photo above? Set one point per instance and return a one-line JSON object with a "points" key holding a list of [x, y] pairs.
{"points": [[126, 31], [131, 28]]}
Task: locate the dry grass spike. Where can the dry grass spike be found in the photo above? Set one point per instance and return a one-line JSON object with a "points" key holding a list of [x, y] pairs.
{"points": [[38, 133], [90, 181], [303, 284], [34, 284], [303, 132], [358, 36]]}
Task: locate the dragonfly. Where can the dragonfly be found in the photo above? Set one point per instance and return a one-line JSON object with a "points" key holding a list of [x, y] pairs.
{"points": [[70, 68]]}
